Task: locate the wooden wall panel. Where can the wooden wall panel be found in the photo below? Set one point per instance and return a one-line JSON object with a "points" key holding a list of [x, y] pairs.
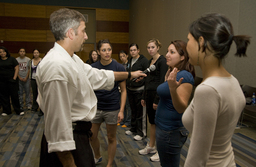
{"points": [[117, 47], [26, 35], [112, 26], [28, 26], [115, 56], [14, 46], [112, 15], [24, 23], [2, 34], [12, 22], [49, 36], [23, 10], [2, 9], [114, 37], [50, 9]]}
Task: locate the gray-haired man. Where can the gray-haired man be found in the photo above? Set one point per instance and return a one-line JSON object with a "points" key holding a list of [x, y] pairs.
{"points": [[66, 95]]}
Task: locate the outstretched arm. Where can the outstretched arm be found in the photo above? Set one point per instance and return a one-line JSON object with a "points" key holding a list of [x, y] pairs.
{"points": [[119, 76]]}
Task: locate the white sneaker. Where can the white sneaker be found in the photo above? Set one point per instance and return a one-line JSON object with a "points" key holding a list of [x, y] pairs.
{"points": [[128, 132], [148, 150], [4, 114], [137, 137], [21, 113], [155, 157]]}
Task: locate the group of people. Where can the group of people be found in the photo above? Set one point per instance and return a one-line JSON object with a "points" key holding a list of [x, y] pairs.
{"points": [[17, 76], [164, 106], [77, 97]]}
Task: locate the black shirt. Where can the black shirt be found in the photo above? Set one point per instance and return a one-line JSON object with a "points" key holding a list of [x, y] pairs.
{"points": [[157, 77], [140, 64], [7, 68]]}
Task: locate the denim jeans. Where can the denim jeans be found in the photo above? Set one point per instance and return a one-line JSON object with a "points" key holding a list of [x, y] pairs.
{"points": [[169, 144], [24, 86]]}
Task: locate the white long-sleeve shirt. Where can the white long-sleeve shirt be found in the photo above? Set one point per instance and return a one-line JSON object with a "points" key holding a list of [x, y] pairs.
{"points": [[65, 95], [212, 117]]}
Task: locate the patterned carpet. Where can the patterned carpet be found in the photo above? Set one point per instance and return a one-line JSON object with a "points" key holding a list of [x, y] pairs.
{"points": [[20, 138]]}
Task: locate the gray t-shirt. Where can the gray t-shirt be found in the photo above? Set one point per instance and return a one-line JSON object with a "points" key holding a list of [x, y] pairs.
{"points": [[23, 66]]}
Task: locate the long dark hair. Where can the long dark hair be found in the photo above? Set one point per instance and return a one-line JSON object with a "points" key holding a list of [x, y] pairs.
{"points": [[218, 34], [90, 56], [184, 64], [7, 52], [35, 50]]}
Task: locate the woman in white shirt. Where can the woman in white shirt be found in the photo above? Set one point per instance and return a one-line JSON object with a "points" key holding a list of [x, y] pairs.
{"points": [[218, 101], [33, 66]]}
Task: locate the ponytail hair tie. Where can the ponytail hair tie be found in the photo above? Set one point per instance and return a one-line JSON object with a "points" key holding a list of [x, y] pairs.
{"points": [[230, 37]]}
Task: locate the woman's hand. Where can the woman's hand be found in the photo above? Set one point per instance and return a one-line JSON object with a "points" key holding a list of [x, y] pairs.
{"points": [[137, 75], [143, 103], [171, 79], [120, 117]]}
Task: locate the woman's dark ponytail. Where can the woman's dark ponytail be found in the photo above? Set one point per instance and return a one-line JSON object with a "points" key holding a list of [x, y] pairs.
{"points": [[242, 42]]}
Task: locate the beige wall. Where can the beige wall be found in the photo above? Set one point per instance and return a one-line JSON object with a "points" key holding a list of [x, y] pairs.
{"points": [[169, 20]]}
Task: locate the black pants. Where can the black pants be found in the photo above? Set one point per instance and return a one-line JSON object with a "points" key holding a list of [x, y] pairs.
{"points": [[10, 88], [149, 98], [138, 125], [83, 154], [35, 93]]}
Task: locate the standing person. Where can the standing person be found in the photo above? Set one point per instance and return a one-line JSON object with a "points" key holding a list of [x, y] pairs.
{"points": [[109, 107], [9, 86], [124, 57], [135, 91], [93, 57], [170, 133], [218, 101], [33, 66], [66, 96], [150, 99], [24, 82]]}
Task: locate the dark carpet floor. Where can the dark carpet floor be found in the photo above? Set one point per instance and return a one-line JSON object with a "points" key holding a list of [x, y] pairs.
{"points": [[20, 138]]}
